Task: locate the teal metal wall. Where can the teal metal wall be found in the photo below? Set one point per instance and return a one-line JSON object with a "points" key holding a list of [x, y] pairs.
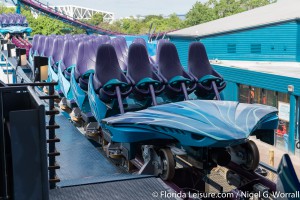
{"points": [[272, 43], [279, 42], [182, 46]]}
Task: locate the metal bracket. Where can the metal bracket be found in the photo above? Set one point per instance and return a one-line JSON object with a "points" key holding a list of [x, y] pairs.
{"points": [[152, 162]]}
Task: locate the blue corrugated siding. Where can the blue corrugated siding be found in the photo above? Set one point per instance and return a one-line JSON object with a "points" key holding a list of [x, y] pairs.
{"points": [[278, 43], [182, 46], [259, 79], [298, 42]]}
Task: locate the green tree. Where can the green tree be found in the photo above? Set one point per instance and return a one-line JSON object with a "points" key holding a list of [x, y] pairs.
{"points": [[46, 25], [250, 4], [215, 9], [96, 19], [200, 13]]}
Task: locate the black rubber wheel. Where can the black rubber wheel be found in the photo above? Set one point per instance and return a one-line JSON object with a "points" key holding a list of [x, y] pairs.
{"points": [[252, 156], [168, 164]]}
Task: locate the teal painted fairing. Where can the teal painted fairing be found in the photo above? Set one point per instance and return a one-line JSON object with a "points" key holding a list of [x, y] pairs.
{"points": [[79, 95], [193, 123], [287, 181], [98, 108], [52, 75], [15, 29], [64, 83]]}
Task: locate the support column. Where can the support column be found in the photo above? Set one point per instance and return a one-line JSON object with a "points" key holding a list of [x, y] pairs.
{"points": [[291, 139]]}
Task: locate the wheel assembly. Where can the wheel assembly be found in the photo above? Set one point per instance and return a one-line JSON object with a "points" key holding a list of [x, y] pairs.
{"points": [[252, 158], [167, 164], [246, 155]]}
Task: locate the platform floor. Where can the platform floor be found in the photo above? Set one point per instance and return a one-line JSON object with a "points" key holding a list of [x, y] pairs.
{"points": [[145, 189], [80, 162]]}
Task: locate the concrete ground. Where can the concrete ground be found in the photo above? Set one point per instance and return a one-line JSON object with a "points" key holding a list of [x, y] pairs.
{"points": [[265, 149]]}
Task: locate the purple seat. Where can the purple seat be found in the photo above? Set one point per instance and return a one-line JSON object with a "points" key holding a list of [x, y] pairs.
{"points": [[95, 43], [85, 64], [123, 47], [69, 57], [68, 36], [41, 43], [200, 67], [105, 38], [108, 71], [122, 61], [141, 72], [170, 68], [56, 54], [143, 42], [5, 21], [48, 46], [140, 41], [158, 46], [123, 44], [35, 43]]}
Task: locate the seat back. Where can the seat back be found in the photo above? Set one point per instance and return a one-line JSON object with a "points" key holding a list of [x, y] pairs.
{"points": [[158, 46], [139, 66], [57, 49], [122, 61], [35, 42], [95, 43], [84, 59], [140, 41], [169, 64], [123, 45], [48, 47], [105, 38], [198, 63], [70, 51], [107, 65], [41, 44]]}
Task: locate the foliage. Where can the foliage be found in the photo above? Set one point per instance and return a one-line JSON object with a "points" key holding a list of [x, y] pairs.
{"points": [[96, 19], [215, 9], [199, 13]]}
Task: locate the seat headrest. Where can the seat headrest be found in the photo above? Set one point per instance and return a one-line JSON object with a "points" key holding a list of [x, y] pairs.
{"points": [[84, 58], [139, 66], [198, 63], [158, 46], [169, 64], [107, 65], [70, 52], [57, 49], [140, 41], [48, 46]]}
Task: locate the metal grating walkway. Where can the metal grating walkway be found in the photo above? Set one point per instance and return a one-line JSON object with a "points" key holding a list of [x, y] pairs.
{"points": [[145, 189], [80, 162]]}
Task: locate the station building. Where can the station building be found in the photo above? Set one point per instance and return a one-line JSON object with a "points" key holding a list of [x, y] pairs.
{"points": [[258, 54]]}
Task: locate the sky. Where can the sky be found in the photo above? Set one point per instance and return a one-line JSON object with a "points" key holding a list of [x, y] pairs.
{"points": [[126, 8]]}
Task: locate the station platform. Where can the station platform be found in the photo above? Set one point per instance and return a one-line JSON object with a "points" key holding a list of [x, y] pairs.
{"points": [[85, 173], [80, 162], [147, 189]]}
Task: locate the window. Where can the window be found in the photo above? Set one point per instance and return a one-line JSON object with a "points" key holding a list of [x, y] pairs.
{"points": [[231, 48], [255, 48]]}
